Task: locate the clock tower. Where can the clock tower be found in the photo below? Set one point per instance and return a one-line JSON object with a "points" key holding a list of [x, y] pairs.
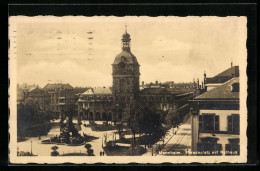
{"points": [[125, 78]]}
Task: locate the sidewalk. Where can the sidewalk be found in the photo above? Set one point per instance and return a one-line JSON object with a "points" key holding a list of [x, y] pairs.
{"points": [[181, 142]]}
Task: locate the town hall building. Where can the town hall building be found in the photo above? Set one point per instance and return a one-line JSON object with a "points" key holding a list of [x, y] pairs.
{"points": [[115, 103]]}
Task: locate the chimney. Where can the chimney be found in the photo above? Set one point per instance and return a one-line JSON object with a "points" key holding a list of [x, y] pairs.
{"points": [[231, 64], [205, 77], [198, 83], [142, 83], [156, 82]]}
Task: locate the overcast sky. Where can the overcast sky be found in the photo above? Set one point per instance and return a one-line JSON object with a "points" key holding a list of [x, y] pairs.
{"points": [[58, 49]]}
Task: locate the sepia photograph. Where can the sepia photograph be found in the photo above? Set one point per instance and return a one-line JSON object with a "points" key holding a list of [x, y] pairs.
{"points": [[107, 89]]}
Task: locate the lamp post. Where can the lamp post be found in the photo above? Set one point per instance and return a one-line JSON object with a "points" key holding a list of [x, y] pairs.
{"points": [[31, 147]]}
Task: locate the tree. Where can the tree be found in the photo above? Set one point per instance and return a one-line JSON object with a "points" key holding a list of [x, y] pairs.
{"points": [[88, 146], [146, 120], [30, 115], [132, 122], [119, 127], [172, 118], [54, 152], [89, 150]]}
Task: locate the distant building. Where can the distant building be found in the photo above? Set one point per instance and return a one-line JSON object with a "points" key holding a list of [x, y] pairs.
{"points": [[215, 115], [164, 98], [22, 90], [77, 92], [178, 87], [96, 104], [221, 78], [38, 96], [62, 98]]}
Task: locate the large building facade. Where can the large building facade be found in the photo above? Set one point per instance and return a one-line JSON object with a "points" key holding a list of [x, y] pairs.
{"points": [[115, 103], [96, 104], [215, 116], [61, 97]]}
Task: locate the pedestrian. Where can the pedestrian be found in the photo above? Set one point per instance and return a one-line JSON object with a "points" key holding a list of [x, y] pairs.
{"points": [[103, 153], [100, 153]]}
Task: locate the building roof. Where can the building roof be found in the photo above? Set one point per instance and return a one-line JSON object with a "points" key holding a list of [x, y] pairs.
{"points": [[126, 37], [88, 92], [128, 57], [80, 90], [183, 84], [102, 90], [175, 91], [57, 86], [27, 86], [98, 91], [158, 91], [222, 92], [224, 76], [35, 89], [154, 91]]}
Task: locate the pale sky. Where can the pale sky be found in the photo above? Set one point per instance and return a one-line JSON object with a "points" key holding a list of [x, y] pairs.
{"points": [[176, 49]]}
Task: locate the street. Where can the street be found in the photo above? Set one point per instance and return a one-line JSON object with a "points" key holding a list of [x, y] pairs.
{"points": [[179, 142]]}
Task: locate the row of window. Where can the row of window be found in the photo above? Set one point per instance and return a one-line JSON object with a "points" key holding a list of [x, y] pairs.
{"points": [[230, 149], [62, 100], [211, 122], [209, 144], [182, 86], [97, 98], [62, 107], [123, 98], [152, 98]]}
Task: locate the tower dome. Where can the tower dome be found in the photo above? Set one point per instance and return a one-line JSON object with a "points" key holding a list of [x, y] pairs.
{"points": [[126, 56], [126, 37]]}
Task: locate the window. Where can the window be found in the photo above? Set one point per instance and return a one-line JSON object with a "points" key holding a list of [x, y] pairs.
{"points": [[235, 87], [209, 144], [233, 123], [209, 122], [233, 148]]}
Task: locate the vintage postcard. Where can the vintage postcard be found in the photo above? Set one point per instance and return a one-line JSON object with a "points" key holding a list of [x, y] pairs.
{"points": [[127, 89]]}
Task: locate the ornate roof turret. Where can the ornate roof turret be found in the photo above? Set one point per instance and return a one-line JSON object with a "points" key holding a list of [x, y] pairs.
{"points": [[126, 56]]}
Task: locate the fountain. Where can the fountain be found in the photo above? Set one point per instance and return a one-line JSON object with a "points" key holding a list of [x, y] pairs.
{"points": [[69, 134]]}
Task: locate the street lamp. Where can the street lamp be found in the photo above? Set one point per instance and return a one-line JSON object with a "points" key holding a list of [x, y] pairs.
{"points": [[31, 147]]}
